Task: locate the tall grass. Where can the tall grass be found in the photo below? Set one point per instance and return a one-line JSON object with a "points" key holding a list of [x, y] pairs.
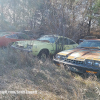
{"points": [[20, 71]]}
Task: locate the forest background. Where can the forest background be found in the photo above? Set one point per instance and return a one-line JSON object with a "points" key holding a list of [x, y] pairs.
{"points": [[71, 18]]}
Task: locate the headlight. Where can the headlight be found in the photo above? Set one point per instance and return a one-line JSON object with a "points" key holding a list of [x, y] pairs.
{"points": [[89, 62], [97, 63], [57, 56], [60, 57]]}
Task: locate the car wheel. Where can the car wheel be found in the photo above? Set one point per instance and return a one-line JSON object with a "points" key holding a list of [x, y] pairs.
{"points": [[43, 55]]}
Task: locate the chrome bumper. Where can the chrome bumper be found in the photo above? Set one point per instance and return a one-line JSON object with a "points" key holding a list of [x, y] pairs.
{"points": [[81, 68]]}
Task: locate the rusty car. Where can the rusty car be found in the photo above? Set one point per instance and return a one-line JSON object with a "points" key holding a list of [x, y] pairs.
{"points": [[7, 38], [45, 45], [84, 59]]}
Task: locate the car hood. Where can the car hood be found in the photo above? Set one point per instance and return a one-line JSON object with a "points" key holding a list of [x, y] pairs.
{"points": [[30, 42], [82, 54]]}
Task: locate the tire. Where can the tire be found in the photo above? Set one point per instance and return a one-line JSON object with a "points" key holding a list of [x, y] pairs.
{"points": [[43, 55]]}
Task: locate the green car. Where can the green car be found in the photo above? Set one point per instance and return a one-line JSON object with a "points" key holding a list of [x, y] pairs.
{"points": [[45, 45]]}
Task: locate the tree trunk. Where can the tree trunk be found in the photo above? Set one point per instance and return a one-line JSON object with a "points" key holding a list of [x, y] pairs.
{"points": [[89, 27]]}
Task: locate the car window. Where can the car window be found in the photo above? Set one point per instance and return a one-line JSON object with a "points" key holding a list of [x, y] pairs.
{"points": [[14, 36], [70, 42], [63, 41]]}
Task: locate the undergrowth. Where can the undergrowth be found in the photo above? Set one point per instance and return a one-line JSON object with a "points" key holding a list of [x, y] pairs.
{"points": [[21, 71]]}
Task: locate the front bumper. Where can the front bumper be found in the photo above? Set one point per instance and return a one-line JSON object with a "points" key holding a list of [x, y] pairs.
{"points": [[79, 68]]}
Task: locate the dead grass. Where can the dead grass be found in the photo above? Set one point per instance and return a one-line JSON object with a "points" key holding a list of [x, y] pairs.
{"points": [[19, 72]]}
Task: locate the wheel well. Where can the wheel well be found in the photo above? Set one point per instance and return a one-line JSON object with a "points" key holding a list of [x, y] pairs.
{"points": [[44, 50]]}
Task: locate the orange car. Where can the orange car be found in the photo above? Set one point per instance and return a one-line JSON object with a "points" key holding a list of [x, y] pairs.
{"points": [[84, 59], [7, 38]]}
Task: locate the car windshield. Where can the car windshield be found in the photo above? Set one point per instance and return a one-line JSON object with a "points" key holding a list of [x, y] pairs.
{"points": [[51, 39], [22, 36], [18, 36], [90, 44]]}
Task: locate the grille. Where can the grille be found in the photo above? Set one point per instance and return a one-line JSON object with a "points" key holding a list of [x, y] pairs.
{"points": [[74, 61]]}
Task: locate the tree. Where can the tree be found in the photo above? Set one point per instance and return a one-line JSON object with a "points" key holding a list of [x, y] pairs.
{"points": [[96, 9], [90, 14]]}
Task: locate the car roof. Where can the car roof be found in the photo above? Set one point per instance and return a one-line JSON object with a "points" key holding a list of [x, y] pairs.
{"points": [[93, 40], [58, 36], [9, 33], [90, 37], [54, 35], [51, 35], [5, 33]]}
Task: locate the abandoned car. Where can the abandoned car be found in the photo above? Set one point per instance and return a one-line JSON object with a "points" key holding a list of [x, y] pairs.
{"points": [[7, 38], [83, 59], [45, 45], [87, 38]]}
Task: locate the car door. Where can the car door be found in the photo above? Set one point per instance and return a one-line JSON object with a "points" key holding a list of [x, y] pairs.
{"points": [[62, 44], [70, 44], [65, 43]]}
